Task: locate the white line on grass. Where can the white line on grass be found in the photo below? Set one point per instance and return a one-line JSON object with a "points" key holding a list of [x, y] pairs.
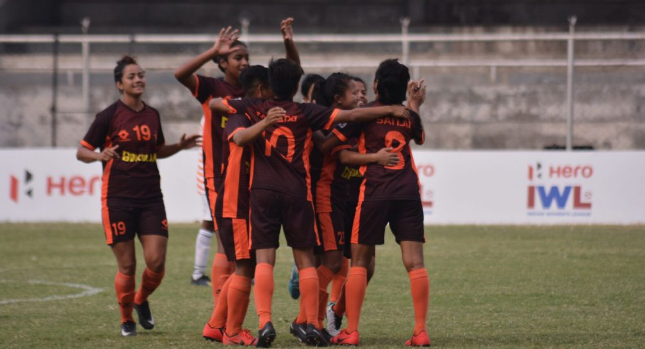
{"points": [[88, 291]]}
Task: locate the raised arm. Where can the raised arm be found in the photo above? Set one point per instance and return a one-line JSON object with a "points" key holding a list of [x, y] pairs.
{"points": [[416, 95], [222, 46], [382, 157], [289, 44], [245, 136], [367, 114], [172, 149]]}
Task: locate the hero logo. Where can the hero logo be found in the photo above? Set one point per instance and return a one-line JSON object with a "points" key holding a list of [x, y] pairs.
{"points": [[54, 186], [14, 186], [545, 196], [427, 195]]}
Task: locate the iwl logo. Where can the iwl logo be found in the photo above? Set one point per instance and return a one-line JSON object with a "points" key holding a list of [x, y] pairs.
{"points": [[15, 184], [545, 197], [551, 193]]}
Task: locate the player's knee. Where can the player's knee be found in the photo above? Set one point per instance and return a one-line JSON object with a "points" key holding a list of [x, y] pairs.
{"points": [[413, 263], [370, 271], [157, 265], [127, 267]]}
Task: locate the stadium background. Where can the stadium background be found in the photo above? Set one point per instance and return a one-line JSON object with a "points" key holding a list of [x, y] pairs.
{"points": [[504, 92], [497, 97]]}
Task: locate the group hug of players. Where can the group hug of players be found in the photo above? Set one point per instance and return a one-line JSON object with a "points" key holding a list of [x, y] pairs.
{"points": [[331, 173]]}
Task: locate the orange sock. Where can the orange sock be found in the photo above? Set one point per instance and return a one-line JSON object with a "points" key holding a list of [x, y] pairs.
{"points": [[324, 278], [220, 272], [220, 309], [124, 286], [355, 289], [263, 292], [338, 281], [309, 292], [302, 315], [149, 283], [239, 291], [420, 287]]}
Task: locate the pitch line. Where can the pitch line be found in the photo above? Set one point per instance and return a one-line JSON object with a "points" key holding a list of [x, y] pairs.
{"points": [[87, 291]]}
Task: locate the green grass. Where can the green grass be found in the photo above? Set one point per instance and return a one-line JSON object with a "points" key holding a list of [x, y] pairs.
{"points": [[492, 287]]}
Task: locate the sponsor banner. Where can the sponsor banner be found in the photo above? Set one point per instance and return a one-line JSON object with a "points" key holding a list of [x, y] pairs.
{"points": [[487, 187], [39, 185], [494, 187]]}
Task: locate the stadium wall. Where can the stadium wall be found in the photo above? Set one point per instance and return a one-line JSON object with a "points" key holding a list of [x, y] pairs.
{"points": [[487, 187]]}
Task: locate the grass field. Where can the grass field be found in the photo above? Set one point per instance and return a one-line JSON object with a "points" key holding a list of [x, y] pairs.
{"points": [[492, 287]]}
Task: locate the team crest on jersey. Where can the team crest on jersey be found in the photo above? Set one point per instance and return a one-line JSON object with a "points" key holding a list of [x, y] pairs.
{"points": [[123, 136]]}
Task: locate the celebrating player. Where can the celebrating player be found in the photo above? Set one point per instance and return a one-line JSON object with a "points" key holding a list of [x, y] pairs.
{"points": [[129, 136], [389, 195], [232, 211], [231, 57], [339, 91]]}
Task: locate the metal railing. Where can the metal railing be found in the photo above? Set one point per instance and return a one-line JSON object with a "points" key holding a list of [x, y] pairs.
{"points": [[404, 38]]}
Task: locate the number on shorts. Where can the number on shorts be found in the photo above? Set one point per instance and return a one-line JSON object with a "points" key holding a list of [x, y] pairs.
{"points": [[119, 228], [389, 140], [272, 137]]}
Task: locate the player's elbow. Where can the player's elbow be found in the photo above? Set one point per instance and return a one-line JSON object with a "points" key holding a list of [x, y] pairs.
{"points": [[79, 154], [420, 140], [178, 75], [239, 140]]}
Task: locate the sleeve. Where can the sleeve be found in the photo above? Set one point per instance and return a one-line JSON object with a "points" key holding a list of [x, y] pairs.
{"points": [[418, 134], [319, 117], [346, 131], [99, 130], [236, 123], [204, 87], [238, 106]]}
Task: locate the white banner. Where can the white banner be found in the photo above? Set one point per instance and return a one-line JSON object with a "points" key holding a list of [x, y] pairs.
{"points": [[487, 187]]}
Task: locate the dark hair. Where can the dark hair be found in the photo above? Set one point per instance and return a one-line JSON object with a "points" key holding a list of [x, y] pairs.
{"points": [[253, 76], [317, 94], [326, 90], [120, 65], [393, 78], [310, 79], [284, 76], [218, 60], [357, 79]]}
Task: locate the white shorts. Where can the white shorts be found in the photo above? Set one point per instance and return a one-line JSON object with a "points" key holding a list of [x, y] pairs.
{"points": [[206, 210]]}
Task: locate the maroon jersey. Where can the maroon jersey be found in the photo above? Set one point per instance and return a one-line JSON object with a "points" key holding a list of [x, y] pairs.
{"points": [[280, 159], [134, 174], [347, 133], [206, 89], [399, 182], [331, 186], [233, 192]]}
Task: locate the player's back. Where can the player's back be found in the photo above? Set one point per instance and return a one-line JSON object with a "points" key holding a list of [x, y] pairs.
{"points": [[281, 157], [391, 182]]}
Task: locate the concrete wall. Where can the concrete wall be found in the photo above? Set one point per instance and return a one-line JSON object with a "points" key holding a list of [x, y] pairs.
{"points": [[465, 109]]}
